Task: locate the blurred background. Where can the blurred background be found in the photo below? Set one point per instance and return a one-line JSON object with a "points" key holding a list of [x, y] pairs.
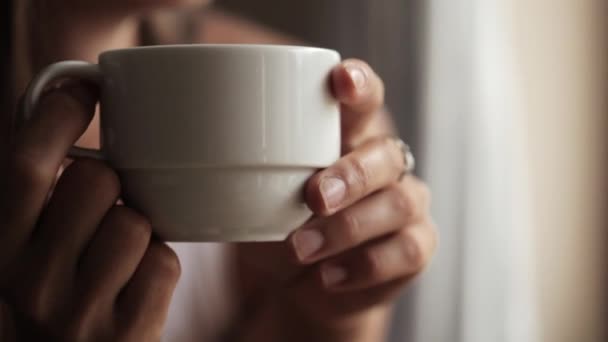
{"points": [[505, 103]]}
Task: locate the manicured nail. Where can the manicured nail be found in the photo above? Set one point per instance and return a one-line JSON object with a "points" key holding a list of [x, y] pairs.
{"points": [[358, 76], [307, 242], [333, 275], [333, 190]]}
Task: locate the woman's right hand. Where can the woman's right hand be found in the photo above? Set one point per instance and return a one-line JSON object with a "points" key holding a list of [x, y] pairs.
{"points": [[74, 265]]}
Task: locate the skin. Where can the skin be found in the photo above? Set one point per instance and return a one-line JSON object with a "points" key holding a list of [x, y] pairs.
{"points": [[334, 279], [64, 275]]}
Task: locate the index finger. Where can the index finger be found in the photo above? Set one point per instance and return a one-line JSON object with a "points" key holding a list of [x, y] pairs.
{"points": [[373, 166], [34, 160]]}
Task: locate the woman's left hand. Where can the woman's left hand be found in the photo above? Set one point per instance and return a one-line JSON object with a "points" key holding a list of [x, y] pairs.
{"points": [[372, 231]]}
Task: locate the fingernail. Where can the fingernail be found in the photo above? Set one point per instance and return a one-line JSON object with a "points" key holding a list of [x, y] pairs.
{"points": [[333, 190], [333, 275], [358, 76], [307, 242]]}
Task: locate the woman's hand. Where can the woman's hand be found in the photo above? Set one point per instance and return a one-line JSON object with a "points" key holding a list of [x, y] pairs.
{"points": [[74, 266], [372, 233]]}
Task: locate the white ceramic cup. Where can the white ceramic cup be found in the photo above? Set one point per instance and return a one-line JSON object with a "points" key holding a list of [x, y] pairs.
{"points": [[212, 142]]}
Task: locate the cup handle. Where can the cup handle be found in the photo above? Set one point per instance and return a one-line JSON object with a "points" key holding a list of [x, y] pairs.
{"points": [[65, 69]]}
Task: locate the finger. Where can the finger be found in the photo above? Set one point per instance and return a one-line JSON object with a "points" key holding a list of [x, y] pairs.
{"points": [[323, 237], [144, 303], [107, 265], [360, 91], [21, 327], [377, 215], [113, 254], [402, 255], [83, 195], [325, 305], [373, 166], [351, 302], [39, 149]]}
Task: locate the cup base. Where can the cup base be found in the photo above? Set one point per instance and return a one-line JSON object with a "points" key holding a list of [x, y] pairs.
{"points": [[233, 204], [205, 235]]}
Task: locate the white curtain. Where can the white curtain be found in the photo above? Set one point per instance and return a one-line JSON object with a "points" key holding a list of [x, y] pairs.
{"points": [[481, 286]]}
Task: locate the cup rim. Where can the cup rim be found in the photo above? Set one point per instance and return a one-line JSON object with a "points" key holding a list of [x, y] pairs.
{"points": [[268, 47]]}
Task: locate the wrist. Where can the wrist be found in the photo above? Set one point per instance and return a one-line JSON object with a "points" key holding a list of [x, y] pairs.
{"points": [[279, 317], [303, 325]]}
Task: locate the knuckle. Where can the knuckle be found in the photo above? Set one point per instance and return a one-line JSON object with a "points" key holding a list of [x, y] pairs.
{"points": [[392, 151], [166, 262], [387, 142], [359, 175], [405, 202], [98, 175], [134, 228], [77, 327], [349, 226], [413, 253], [376, 263], [32, 170]]}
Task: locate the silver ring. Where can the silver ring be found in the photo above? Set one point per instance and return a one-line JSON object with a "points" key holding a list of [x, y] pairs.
{"points": [[409, 162]]}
